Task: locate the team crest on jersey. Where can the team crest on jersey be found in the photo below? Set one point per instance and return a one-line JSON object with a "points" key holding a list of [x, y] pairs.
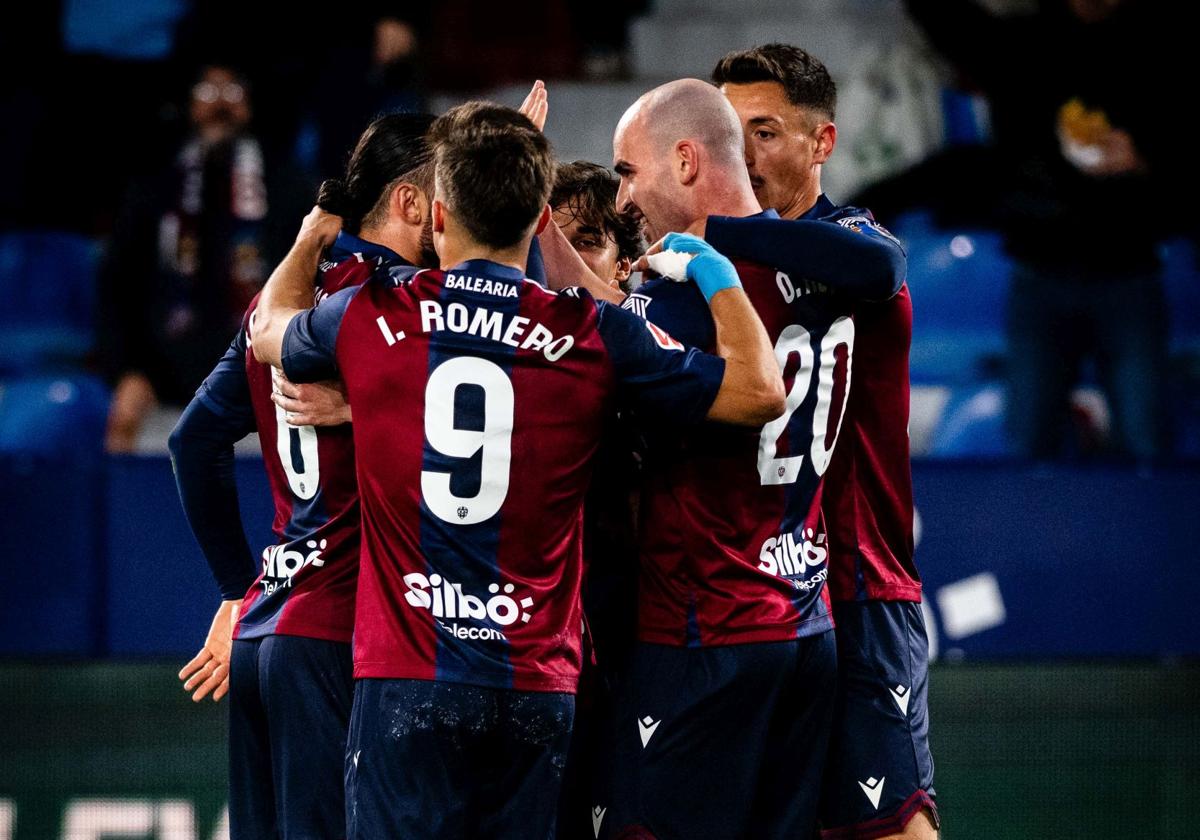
{"points": [[662, 338], [857, 223], [637, 304], [281, 563]]}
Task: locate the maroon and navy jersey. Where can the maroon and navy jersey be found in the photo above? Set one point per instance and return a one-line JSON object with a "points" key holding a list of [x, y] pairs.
{"points": [[309, 577], [479, 399], [868, 498], [733, 544]]}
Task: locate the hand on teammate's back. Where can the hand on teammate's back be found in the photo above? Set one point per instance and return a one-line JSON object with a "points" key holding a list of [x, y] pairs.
{"points": [[208, 672], [312, 404]]}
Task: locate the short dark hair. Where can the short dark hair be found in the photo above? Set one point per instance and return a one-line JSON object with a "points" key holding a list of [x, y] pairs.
{"points": [[588, 192], [803, 76], [393, 148], [494, 169]]}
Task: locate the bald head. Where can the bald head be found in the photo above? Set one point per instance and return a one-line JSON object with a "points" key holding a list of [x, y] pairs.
{"points": [[688, 109]]}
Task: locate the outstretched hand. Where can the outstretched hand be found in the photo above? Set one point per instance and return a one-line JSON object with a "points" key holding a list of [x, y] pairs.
{"points": [[535, 105]]}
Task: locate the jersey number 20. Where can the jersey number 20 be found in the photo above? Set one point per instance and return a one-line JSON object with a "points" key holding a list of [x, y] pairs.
{"points": [[795, 339]]}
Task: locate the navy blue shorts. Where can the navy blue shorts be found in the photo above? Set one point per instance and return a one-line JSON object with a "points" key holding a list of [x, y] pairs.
{"points": [[289, 710], [719, 742], [442, 760], [880, 772]]}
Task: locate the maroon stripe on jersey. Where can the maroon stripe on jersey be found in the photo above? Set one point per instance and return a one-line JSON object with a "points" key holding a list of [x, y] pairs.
{"points": [[309, 578], [393, 637], [541, 536], [868, 488]]}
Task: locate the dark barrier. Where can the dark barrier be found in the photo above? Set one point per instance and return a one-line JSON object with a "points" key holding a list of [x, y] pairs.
{"points": [[1023, 753], [1018, 562]]}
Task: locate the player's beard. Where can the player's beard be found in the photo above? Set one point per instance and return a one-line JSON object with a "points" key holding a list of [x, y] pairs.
{"points": [[429, 255]]}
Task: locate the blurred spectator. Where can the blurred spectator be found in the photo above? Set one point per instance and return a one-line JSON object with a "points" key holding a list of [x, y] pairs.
{"points": [[1082, 109], [377, 71], [190, 249]]}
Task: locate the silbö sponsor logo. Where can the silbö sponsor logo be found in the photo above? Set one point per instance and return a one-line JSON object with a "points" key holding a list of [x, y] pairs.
{"points": [[795, 559], [446, 600]]}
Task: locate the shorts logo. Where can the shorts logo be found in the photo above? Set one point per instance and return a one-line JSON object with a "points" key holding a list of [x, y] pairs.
{"points": [[447, 600], [597, 818], [280, 564], [901, 695], [873, 788], [646, 729]]}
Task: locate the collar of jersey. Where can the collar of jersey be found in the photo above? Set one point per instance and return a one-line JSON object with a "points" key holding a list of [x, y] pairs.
{"points": [[823, 207], [487, 268], [347, 245]]}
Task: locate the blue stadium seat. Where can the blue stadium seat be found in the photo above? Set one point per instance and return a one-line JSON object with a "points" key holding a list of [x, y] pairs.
{"points": [[48, 285], [53, 416], [959, 280], [972, 425], [1181, 278]]}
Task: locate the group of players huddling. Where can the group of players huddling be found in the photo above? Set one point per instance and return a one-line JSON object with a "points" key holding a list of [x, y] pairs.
{"points": [[446, 367]]}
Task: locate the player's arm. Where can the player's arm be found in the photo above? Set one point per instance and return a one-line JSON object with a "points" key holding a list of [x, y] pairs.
{"points": [[742, 384], [859, 258], [289, 291], [565, 268], [201, 448]]}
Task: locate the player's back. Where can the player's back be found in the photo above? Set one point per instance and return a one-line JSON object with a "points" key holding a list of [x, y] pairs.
{"points": [[868, 499], [733, 544], [479, 399], [309, 577]]}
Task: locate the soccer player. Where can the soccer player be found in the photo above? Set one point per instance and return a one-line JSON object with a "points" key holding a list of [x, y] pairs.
{"points": [[584, 204], [478, 400], [289, 673], [722, 729], [879, 781]]}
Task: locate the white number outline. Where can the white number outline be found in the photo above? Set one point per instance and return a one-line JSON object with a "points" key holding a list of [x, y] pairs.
{"points": [[443, 436], [773, 470]]}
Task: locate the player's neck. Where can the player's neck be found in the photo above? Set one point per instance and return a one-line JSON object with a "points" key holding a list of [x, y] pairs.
{"points": [[395, 239], [725, 198], [455, 250], [801, 201]]}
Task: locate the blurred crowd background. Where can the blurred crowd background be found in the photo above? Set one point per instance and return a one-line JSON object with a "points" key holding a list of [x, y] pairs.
{"points": [[158, 155]]}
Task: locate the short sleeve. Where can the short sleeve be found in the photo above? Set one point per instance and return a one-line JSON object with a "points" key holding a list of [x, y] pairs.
{"points": [[656, 374], [310, 341]]}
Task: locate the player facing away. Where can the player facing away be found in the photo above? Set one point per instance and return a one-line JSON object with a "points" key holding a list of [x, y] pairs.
{"points": [[879, 780], [478, 400], [289, 673], [733, 547]]}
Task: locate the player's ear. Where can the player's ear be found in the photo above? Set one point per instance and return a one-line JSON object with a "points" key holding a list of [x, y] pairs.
{"points": [[439, 216], [543, 220], [687, 161], [826, 137], [624, 269], [407, 204]]}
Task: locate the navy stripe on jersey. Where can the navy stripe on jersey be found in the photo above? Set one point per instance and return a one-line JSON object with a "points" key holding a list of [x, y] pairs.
{"points": [[473, 547]]}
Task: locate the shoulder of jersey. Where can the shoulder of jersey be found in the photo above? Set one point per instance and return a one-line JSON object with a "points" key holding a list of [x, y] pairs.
{"points": [[857, 218]]}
